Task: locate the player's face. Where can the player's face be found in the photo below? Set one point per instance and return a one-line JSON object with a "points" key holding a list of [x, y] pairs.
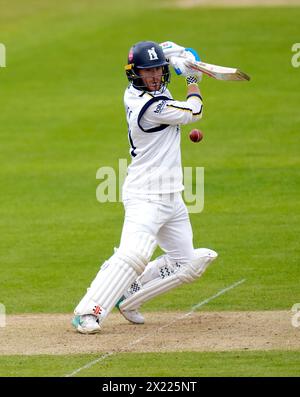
{"points": [[152, 77]]}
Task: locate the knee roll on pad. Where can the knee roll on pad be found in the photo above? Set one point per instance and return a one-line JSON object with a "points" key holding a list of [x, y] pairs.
{"points": [[133, 259], [138, 251], [200, 253], [202, 258]]}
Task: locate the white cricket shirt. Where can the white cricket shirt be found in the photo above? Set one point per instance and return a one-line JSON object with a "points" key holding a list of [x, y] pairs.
{"points": [[154, 121]]}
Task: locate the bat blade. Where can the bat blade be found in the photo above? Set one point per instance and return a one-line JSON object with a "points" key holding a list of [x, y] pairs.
{"points": [[218, 72]]}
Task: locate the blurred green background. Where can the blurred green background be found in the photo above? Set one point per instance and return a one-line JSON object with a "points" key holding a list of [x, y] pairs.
{"points": [[62, 118]]}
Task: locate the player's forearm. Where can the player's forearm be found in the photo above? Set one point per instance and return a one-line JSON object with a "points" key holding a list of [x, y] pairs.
{"points": [[192, 85], [193, 89], [194, 99]]}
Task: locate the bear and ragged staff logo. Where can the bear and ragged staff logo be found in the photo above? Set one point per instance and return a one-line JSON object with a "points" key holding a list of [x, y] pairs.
{"points": [[152, 54]]}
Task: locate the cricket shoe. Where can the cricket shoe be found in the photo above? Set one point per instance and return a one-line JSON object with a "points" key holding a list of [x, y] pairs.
{"points": [[86, 324], [133, 316]]}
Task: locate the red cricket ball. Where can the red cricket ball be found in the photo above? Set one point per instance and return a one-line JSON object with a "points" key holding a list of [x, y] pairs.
{"points": [[196, 135]]}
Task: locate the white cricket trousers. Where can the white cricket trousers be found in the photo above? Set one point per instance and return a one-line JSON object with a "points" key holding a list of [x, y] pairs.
{"points": [[165, 216]]}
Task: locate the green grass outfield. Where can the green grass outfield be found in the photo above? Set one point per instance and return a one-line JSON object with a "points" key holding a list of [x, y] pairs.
{"points": [[231, 364], [62, 119]]}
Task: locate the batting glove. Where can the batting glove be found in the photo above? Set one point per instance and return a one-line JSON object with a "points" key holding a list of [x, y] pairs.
{"points": [[171, 49], [191, 54], [192, 80]]}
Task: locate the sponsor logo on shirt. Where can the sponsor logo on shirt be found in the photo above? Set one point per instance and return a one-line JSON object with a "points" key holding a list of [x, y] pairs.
{"points": [[160, 107]]}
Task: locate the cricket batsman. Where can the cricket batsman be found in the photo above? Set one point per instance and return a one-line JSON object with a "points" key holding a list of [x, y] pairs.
{"points": [[155, 214]]}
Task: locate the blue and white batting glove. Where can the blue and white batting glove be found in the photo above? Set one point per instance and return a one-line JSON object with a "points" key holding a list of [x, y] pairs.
{"points": [[172, 49], [192, 54], [177, 56], [178, 64]]}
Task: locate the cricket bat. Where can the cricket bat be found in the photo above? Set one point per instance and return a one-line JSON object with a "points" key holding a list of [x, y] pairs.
{"points": [[217, 72]]}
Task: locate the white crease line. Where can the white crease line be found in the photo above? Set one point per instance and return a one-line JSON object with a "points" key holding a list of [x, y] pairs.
{"points": [[194, 308]]}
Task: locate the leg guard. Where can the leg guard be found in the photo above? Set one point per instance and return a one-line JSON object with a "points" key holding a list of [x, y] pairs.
{"points": [[168, 274], [202, 258], [116, 275]]}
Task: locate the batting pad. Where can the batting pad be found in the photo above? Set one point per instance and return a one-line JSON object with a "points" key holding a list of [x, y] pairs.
{"points": [[184, 274], [120, 271]]}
